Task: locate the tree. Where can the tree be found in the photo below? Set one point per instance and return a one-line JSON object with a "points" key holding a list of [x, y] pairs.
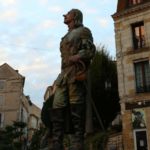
{"points": [[11, 136], [104, 86], [37, 138]]}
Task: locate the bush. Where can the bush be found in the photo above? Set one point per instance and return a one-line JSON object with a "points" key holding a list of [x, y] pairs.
{"points": [[97, 141]]}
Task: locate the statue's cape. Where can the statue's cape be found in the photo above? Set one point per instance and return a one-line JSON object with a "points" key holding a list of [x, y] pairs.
{"points": [[46, 116], [45, 112]]}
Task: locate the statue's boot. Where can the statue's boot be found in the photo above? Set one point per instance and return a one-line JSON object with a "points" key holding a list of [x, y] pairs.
{"points": [[57, 116], [78, 121]]}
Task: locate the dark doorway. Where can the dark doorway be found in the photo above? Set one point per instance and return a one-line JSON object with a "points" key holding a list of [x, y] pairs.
{"points": [[141, 140]]}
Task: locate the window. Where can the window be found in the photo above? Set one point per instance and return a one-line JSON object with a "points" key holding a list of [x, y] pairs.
{"points": [[33, 122], [2, 84], [142, 76], [134, 2], [1, 100], [138, 35], [24, 115], [1, 120]]}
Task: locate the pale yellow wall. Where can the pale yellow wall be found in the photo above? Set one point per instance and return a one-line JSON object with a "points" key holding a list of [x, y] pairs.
{"points": [[124, 46], [14, 98], [12, 101]]}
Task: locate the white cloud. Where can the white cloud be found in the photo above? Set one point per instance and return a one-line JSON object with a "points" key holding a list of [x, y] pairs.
{"points": [[35, 66], [103, 22], [9, 15], [51, 43], [106, 1], [48, 24], [3, 55], [44, 25], [43, 2], [39, 73], [91, 11], [20, 40], [37, 63], [8, 2], [77, 0], [55, 9]]}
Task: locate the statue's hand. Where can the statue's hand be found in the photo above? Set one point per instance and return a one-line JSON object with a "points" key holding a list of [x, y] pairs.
{"points": [[48, 92], [74, 58], [54, 88]]}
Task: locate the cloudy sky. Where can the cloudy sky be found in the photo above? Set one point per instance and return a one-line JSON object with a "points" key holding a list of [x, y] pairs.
{"points": [[31, 31]]}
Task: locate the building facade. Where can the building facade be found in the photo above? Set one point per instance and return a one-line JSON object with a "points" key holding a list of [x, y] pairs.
{"points": [[14, 105], [11, 93], [132, 35]]}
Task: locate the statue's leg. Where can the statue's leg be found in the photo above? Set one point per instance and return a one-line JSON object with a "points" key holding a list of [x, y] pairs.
{"points": [[57, 117], [77, 108], [78, 121]]}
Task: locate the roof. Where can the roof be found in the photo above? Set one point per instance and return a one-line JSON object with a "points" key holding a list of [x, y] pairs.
{"points": [[125, 4], [7, 72], [122, 5], [125, 7]]}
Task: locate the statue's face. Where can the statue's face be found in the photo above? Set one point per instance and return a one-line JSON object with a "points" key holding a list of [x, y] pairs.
{"points": [[69, 17]]}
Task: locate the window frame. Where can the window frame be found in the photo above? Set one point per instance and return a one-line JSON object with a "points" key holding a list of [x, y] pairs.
{"points": [[34, 122], [2, 87], [141, 42], [134, 2], [1, 120], [146, 88], [3, 99]]}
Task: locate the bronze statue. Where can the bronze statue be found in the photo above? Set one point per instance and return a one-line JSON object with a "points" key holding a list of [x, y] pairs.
{"points": [[77, 50]]}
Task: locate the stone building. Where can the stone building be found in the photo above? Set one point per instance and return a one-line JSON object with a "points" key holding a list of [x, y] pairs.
{"points": [[34, 118], [14, 105], [114, 141], [132, 34]]}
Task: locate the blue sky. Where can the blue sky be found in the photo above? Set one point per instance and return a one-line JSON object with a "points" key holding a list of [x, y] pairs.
{"points": [[31, 31]]}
